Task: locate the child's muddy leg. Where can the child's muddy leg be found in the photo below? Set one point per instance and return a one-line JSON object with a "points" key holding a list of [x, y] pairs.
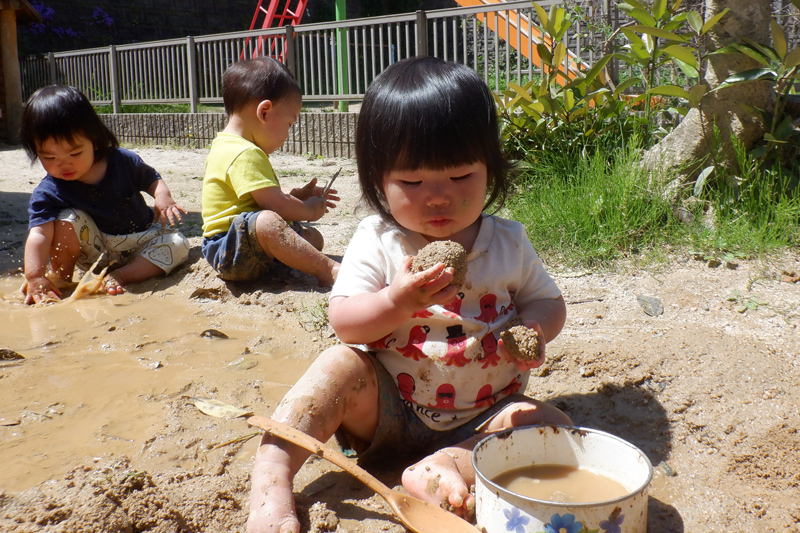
{"points": [[339, 389], [65, 250], [302, 253]]}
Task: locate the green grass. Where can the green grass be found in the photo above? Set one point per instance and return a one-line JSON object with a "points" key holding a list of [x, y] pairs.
{"points": [[589, 213]]}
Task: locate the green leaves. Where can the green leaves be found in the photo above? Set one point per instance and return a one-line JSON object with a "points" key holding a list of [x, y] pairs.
{"points": [[778, 39], [669, 90]]}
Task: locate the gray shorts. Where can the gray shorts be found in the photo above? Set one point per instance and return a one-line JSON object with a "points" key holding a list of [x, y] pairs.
{"points": [[401, 433], [237, 255]]}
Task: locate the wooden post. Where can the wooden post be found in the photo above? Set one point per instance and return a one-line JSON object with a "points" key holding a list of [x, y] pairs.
{"points": [[422, 33], [11, 74], [52, 71], [342, 54], [289, 51], [113, 72], [191, 58]]}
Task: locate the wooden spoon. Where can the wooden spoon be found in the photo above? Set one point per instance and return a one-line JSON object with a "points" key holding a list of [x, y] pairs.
{"points": [[417, 515]]}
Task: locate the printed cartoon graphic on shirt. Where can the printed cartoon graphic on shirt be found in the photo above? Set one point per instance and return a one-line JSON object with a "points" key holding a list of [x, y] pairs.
{"points": [[406, 386], [488, 308], [489, 346], [485, 397], [453, 309], [456, 346], [382, 343], [416, 339], [445, 397]]}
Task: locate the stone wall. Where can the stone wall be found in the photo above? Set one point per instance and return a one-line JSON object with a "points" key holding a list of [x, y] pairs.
{"points": [[316, 134]]}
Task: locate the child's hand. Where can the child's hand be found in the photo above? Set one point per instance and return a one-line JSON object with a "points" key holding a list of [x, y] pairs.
{"points": [[167, 211], [420, 290], [317, 206], [524, 365], [331, 198], [309, 190], [40, 289]]}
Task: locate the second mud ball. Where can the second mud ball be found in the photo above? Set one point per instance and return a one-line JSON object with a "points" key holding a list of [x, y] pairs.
{"points": [[521, 342]]}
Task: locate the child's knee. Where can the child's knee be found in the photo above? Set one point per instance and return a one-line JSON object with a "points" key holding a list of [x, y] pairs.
{"points": [[527, 413], [314, 237], [270, 222], [344, 363], [65, 240]]}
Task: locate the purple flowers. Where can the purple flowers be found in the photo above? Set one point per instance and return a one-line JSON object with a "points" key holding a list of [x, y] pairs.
{"points": [[100, 17], [516, 522], [49, 24]]}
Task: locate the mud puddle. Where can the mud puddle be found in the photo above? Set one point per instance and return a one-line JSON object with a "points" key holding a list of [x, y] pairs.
{"points": [[108, 376]]}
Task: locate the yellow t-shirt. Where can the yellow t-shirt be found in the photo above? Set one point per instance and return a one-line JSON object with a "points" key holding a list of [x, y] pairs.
{"points": [[234, 168]]}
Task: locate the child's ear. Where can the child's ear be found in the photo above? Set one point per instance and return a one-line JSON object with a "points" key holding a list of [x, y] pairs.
{"points": [[263, 108]]}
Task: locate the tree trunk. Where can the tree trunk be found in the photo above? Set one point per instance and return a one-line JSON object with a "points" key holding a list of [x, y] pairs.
{"points": [[679, 157]]}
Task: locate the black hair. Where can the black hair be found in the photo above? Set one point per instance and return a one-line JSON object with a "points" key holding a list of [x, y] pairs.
{"points": [[61, 112], [424, 112], [259, 79]]}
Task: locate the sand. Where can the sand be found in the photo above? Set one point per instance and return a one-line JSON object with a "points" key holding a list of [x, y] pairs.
{"points": [[100, 428]]}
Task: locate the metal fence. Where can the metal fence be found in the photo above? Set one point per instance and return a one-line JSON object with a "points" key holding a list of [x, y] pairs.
{"points": [[332, 61]]}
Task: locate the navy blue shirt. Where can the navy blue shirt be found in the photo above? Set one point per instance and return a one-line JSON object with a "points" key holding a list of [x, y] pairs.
{"points": [[115, 203]]}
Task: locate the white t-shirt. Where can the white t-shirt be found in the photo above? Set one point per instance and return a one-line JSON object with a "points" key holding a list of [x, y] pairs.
{"points": [[444, 359]]}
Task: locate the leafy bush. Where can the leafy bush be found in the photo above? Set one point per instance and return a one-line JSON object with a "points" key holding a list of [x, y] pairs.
{"points": [[578, 110]]}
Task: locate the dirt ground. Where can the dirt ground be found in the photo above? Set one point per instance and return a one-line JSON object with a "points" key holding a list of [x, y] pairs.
{"points": [[100, 429]]}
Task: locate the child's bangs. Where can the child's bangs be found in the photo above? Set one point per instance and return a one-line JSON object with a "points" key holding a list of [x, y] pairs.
{"points": [[438, 148]]}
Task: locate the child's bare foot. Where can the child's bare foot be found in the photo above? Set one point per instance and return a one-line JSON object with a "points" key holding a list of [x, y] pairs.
{"points": [[271, 500], [112, 286], [438, 480]]}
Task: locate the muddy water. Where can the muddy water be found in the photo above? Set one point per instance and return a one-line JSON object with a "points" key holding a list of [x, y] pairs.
{"points": [[98, 373]]}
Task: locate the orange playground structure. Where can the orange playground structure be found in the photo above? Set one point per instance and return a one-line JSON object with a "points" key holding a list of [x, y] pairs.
{"points": [[518, 31]]}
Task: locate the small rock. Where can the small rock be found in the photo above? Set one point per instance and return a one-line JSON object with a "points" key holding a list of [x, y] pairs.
{"points": [[212, 333], [651, 305], [668, 470]]}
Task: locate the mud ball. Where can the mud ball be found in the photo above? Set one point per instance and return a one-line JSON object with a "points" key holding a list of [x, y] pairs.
{"points": [[522, 343], [450, 253]]}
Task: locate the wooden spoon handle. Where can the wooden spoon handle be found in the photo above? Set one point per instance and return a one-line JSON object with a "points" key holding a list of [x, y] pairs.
{"points": [[316, 447]]}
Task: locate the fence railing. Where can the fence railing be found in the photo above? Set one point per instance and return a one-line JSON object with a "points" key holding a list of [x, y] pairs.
{"points": [[332, 61]]}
